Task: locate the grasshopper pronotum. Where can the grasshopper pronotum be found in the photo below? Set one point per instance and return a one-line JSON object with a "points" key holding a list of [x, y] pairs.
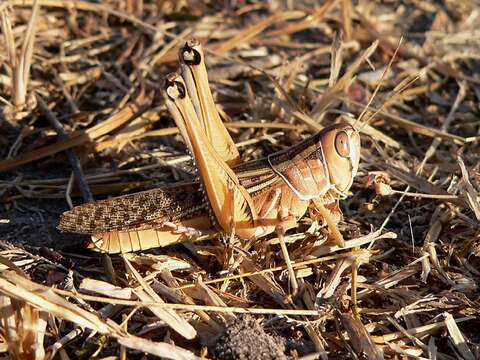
{"points": [[249, 200]]}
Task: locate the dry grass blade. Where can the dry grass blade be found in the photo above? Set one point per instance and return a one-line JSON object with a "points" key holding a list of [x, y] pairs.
{"points": [[77, 139], [146, 294], [106, 289], [336, 60], [279, 72], [332, 93], [164, 350], [43, 298], [439, 219], [25, 58], [264, 282], [209, 297], [23, 328], [333, 281], [35, 296], [72, 157], [349, 244], [361, 340], [471, 194], [422, 185], [246, 35], [9, 39], [19, 65], [303, 24], [418, 331], [187, 307], [419, 128], [346, 6], [457, 338]]}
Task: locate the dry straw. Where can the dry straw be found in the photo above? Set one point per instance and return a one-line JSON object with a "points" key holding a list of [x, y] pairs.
{"points": [[405, 285]]}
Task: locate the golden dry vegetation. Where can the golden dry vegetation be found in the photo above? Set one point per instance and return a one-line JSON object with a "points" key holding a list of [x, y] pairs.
{"points": [[82, 117]]}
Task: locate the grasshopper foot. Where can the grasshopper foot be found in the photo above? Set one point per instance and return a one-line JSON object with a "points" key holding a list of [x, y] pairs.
{"points": [[180, 229]]}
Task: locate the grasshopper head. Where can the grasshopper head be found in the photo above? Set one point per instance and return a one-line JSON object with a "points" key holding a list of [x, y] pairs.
{"points": [[341, 148]]}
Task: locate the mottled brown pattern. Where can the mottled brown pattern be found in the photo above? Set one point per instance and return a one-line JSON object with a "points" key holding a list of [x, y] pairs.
{"points": [[142, 210]]}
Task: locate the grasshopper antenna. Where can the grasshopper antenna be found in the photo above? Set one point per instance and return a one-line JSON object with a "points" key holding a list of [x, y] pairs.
{"points": [[377, 88], [398, 90]]}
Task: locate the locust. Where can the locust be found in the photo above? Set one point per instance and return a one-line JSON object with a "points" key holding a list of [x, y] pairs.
{"points": [[249, 200]]}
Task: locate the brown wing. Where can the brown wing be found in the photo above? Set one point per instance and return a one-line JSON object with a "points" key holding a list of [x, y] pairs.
{"points": [[135, 211]]}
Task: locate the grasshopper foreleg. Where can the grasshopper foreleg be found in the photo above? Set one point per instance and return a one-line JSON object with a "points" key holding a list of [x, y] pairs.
{"points": [[320, 211]]}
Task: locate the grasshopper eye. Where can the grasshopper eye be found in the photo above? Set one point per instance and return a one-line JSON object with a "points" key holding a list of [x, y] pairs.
{"points": [[342, 144]]}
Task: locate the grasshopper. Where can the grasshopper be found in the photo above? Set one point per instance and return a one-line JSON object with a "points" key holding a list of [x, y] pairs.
{"points": [[249, 200]]}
